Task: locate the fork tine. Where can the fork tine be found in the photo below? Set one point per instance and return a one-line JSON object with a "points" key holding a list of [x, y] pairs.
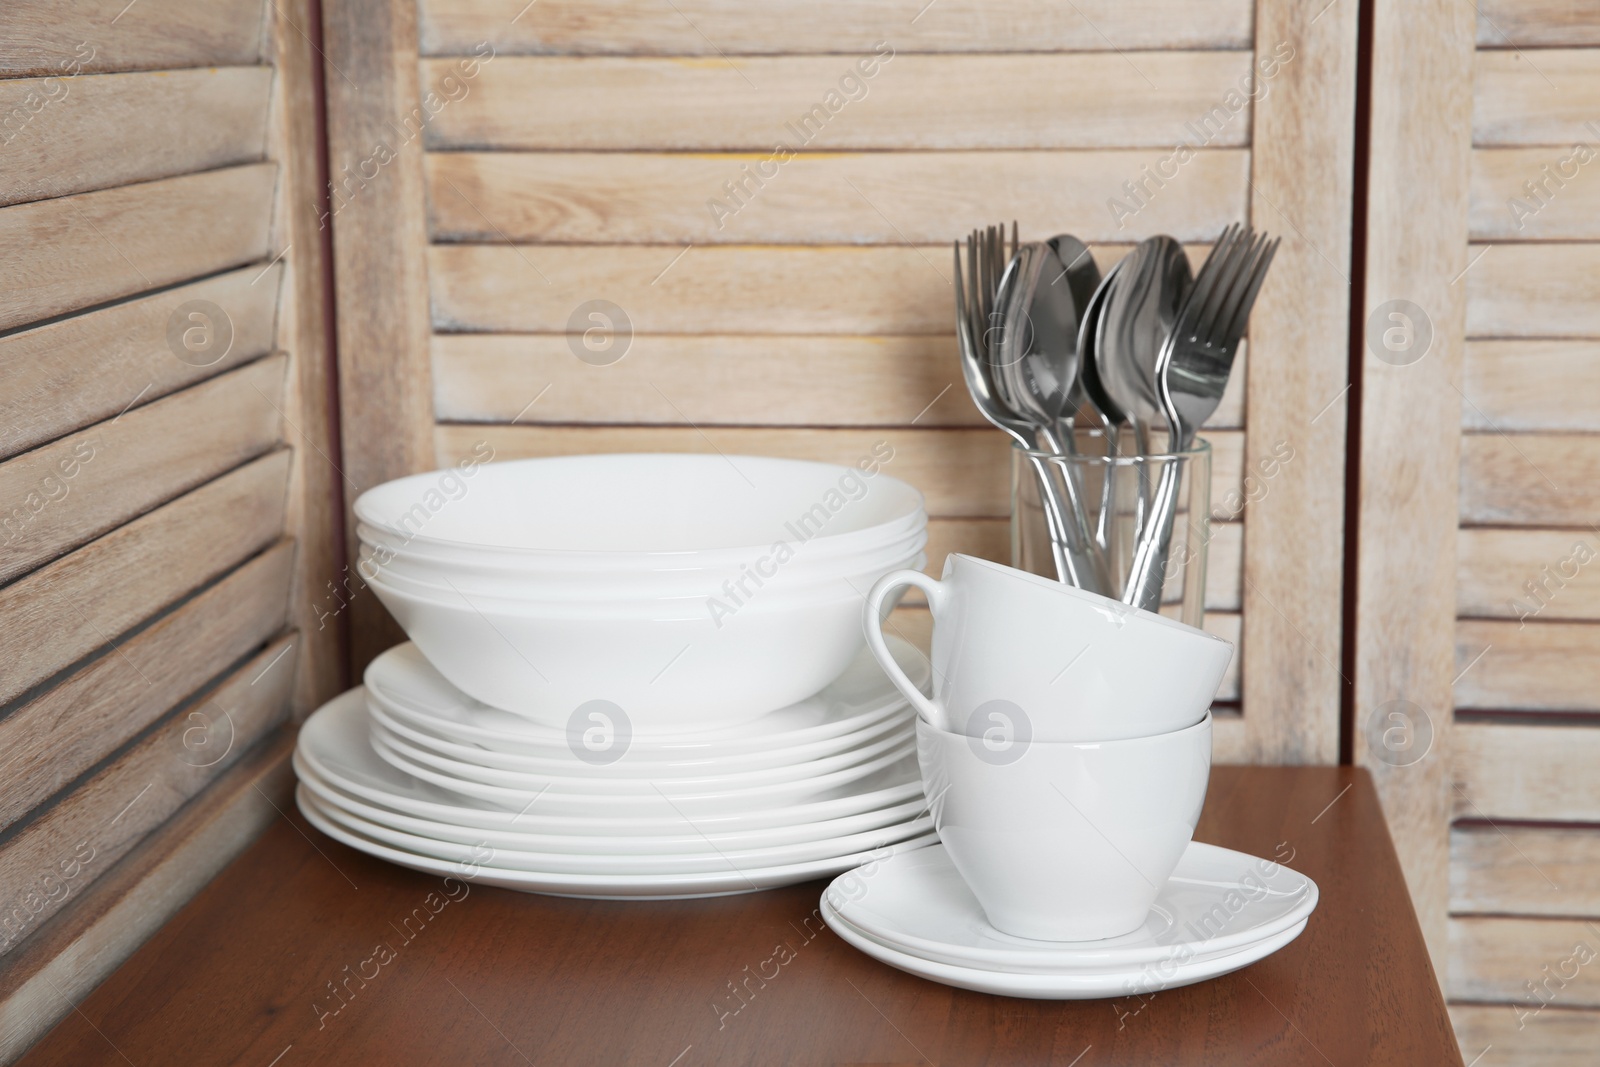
{"points": [[1221, 267], [1236, 277], [1241, 314], [1217, 331], [1206, 281]]}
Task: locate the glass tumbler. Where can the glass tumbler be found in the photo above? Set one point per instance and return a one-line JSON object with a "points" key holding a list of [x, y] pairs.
{"points": [[1130, 527]]}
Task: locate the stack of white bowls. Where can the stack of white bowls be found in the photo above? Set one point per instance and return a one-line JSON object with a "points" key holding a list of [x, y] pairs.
{"points": [[629, 676]]}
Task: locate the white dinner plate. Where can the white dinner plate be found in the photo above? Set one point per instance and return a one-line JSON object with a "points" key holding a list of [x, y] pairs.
{"points": [[1066, 985], [683, 840], [672, 785], [1217, 902], [406, 685], [601, 887], [663, 798], [799, 762], [707, 861], [334, 744]]}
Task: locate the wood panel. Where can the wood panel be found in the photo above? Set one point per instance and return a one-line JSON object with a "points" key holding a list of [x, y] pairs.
{"points": [[109, 812], [1516, 386], [962, 473], [44, 37], [1511, 771], [79, 947], [61, 377], [830, 198], [451, 27], [314, 514], [1537, 23], [1404, 623], [71, 135], [1530, 479], [749, 380], [75, 251], [63, 494], [1522, 100], [1534, 194], [1300, 189], [1527, 666], [982, 101], [53, 738], [1556, 1037], [1532, 290], [380, 270], [1492, 959], [714, 290], [134, 571], [1525, 870], [1527, 574]]}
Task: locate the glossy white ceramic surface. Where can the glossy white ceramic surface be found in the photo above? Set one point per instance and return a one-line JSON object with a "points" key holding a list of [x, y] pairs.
{"points": [[1065, 841], [1018, 653]]}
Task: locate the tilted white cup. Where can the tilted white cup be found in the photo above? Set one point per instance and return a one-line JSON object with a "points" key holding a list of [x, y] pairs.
{"points": [[1020, 657], [1062, 841]]}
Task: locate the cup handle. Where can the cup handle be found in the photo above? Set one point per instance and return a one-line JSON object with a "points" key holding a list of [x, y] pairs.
{"points": [[873, 620]]}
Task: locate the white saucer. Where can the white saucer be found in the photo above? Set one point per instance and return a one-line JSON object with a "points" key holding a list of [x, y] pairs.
{"points": [[594, 886], [1220, 911], [334, 745], [407, 686]]}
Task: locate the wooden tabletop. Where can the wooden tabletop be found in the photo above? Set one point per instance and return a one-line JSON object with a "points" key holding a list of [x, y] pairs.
{"points": [[247, 972]]}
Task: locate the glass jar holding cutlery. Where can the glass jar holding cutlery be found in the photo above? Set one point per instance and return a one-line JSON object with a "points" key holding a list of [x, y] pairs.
{"points": [[1134, 527]]}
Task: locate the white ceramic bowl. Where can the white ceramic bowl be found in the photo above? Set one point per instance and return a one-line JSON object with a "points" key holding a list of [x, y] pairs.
{"points": [[663, 667], [1064, 841], [612, 512]]}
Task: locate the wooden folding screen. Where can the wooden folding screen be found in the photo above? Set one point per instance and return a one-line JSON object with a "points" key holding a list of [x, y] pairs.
{"points": [[725, 226], [1478, 624], [167, 530]]}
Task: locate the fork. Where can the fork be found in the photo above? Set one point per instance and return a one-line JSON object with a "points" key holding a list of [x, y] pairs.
{"points": [[1192, 373]]}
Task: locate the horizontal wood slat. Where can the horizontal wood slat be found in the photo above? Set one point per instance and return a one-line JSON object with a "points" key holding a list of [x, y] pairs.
{"points": [[1528, 574], [1556, 1037], [1511, 771], [748, 380], [1531, 666], [76, 371], [76, 251], [61, 495], [451, 27], [982, 102], [1513, 386], [1545, 99], [1493, 959], [886, 198], [46, 37], [71, 135], [1538, 23], [1533, 290], [1525, 870], [73, 952], [750, 289], [62, 612], [108, 813], [49, 741], [1535, 194], [962, 473], [1530, 479]]}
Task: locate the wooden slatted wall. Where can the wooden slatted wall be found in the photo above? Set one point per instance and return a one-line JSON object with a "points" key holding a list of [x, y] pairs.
{"points": [[168, 518], [1503, 830], [797, 301]]}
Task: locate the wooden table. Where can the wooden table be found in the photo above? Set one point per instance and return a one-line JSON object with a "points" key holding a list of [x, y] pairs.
{"points": [[246, 973]]}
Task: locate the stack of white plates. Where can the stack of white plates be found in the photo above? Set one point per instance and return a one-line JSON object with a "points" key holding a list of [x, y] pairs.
{"points": [[412, 770]]}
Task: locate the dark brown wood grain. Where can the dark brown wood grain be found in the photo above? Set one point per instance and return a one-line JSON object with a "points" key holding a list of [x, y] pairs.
{"points": [[248, 971]]}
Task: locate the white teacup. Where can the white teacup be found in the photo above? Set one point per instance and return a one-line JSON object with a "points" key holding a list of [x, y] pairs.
{"points": [[1065, 841], [1027, 658]]}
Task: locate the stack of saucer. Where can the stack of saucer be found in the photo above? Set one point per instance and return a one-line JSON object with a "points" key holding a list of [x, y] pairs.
{"points": [[412, 770]]}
